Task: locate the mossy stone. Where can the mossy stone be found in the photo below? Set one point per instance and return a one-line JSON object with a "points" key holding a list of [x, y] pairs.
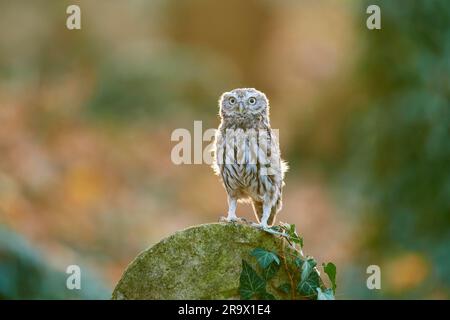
{"points": [[201, 262]]}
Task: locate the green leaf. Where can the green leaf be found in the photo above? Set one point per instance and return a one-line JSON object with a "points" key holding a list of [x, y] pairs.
{"points": [[285, 287], [309, 279], [330, 270], [298, 240], [308, 268], [292, 230], [293, 236], [264, 257], [250, 283], [325, 295], [308, 287], [270, 271], [299, 262], [267, 296]]}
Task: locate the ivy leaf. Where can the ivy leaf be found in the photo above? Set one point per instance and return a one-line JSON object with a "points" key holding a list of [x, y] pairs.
{"points": [[264, 257], [250, 283], [270, 271], [309, 279], [267, 296], [285, 287], [330, 270], [308, 268], [299, 262], [308, 287], [293, 236], [292, 231], [298, 240], [325, 295]]}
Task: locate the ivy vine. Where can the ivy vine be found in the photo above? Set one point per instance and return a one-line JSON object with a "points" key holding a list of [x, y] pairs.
{"points": [[302, 271]]}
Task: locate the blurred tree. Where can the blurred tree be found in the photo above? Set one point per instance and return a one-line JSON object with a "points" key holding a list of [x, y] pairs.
{"points": [[167, 84], [399, 139]]}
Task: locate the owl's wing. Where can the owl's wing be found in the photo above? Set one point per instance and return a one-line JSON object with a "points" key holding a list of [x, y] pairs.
{"points": [[217, 150], [277, 165]]}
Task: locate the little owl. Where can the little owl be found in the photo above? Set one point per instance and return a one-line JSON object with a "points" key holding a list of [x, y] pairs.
{"points": [[247, 155]]}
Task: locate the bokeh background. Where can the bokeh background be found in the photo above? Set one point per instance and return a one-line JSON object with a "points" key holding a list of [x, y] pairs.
{"points": [[86, 118]]}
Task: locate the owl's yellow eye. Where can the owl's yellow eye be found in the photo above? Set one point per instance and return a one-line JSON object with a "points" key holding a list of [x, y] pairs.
{"points": [[232, 100], [252, 100]]}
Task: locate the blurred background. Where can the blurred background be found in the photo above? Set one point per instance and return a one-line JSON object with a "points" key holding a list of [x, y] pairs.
{"points": [[86, 118]]}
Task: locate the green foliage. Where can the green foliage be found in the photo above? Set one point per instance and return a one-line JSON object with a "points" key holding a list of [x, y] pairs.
{"points": [[265, 258], [308, 286], [290, 233], [270, 271], [305, 278], [251, 284], [309, 277], [398, 151], [330, 270], [307, 267], [285, 287]]}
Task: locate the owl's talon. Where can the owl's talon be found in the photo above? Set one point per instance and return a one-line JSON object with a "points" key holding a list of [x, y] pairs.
{"points": [[232, 219], [259, 225], [242, 220], [266, 228], [225, 219]]}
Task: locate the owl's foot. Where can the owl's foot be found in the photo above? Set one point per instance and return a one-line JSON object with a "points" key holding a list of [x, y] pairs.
{"points": [[266, 228], [262, 226], [232, 219]]}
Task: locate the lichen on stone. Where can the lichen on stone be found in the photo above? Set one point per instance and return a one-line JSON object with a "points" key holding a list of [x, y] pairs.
{"points": [[201, 262]]}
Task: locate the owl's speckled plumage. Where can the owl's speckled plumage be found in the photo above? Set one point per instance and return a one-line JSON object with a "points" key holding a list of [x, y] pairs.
{"points": [[247, 155]]}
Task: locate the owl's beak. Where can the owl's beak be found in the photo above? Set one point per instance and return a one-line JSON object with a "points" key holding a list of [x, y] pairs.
{"points": [[241, 107]]}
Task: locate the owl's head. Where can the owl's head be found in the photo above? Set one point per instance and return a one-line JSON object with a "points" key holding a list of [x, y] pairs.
{"points": [[244, 103]]}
